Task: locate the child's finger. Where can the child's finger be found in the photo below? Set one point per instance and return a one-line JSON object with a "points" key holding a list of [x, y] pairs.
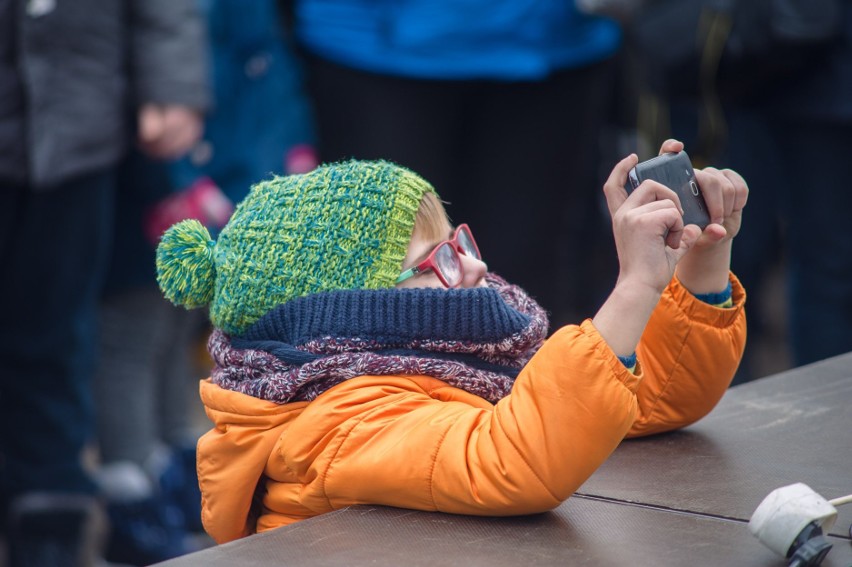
{"points": [[657, 205], [714, 232], [650, 191], [674, 227], [711, 186], [673, 238], [614, 187], [740, 188], [689, 236], [726, 188], [671, 146]]}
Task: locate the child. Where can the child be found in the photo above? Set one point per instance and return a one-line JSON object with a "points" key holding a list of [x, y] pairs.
{"points": [[348, 373]]}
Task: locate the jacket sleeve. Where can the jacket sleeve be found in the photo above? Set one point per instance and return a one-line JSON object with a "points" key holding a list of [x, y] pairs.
{"points": [[440, 449], [168, 53], [569, 409], [437, 450], [231, 457], [688, 355], [574, 401]]}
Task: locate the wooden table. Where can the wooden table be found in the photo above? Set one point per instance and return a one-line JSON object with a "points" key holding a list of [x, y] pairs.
{"points": [[791, 427], [682, 498]]}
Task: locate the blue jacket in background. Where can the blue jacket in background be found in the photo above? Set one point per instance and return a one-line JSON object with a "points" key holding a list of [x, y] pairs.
{"points": [[463, 39], [260, 109]]}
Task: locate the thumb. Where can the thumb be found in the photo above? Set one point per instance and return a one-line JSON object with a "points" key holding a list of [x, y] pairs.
{"points": [[671, 145], [614, 187], [152, 123], [689, 236]]}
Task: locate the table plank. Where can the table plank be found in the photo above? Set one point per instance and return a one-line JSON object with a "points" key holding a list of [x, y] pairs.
{"points": [[795, 426], [581, 532]]}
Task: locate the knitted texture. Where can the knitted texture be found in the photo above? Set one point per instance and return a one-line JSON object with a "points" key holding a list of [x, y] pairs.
{"points": [[185, 264], [474, 339], [342, 226]]}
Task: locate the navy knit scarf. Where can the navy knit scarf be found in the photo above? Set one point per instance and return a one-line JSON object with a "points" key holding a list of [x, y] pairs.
{"points": [[475, 339]]}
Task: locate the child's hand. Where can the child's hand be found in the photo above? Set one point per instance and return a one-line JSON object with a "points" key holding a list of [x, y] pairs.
{"points": [[725, 193], [705, 269], [652, 241], [650, 236]]}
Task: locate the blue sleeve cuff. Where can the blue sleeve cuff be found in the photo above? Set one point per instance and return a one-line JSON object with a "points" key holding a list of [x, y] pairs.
{"points": [[628, 361], [717, 299]]}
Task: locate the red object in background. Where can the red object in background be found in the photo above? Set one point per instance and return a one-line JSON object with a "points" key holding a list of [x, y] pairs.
{"points": [[301, 158], [203, 201]]}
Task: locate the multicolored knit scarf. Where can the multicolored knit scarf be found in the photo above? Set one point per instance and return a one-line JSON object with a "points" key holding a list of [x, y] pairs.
{"points": [[474, 339]]}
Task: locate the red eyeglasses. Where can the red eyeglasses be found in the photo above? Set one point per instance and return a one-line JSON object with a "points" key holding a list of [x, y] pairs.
{"points": [[444, 259]]}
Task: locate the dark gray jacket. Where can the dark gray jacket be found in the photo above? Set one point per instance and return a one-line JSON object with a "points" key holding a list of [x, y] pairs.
{"points": [[83, 66]]}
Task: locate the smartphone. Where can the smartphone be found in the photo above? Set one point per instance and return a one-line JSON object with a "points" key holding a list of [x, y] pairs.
{"points": [[674, 170]]}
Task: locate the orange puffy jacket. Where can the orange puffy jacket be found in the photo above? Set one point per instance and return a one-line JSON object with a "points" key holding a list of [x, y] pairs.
{"points": [[416, 442]]}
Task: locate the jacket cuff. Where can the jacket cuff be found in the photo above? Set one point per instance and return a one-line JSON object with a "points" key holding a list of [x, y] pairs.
{"points": [[630, 379], [705, 313]]}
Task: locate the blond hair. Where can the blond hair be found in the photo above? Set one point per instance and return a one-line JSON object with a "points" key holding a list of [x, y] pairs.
{"points": [[431, 221]]}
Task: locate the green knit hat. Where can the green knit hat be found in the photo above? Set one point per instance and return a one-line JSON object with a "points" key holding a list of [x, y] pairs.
{"points": [[342, 226]]}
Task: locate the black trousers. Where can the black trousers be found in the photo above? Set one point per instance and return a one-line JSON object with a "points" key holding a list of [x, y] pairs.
{"points": [[799, 205], [518, 161], [53, 250]]}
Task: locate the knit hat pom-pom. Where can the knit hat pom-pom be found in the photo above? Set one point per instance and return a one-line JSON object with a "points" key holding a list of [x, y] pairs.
{"points": [[185, 268]]}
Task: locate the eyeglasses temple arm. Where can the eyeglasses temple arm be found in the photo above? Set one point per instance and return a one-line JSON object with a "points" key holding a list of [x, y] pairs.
{"points": [[409, 273]]}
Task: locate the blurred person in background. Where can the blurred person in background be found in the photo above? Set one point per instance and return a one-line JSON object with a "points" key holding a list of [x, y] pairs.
{"points": [[766, 88], [147, 378], [69, 73], [792, 133], [263, 121], [490, 100]]}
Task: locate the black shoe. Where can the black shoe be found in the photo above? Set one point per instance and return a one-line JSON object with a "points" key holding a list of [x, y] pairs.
{"points": [[55, 530]]}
